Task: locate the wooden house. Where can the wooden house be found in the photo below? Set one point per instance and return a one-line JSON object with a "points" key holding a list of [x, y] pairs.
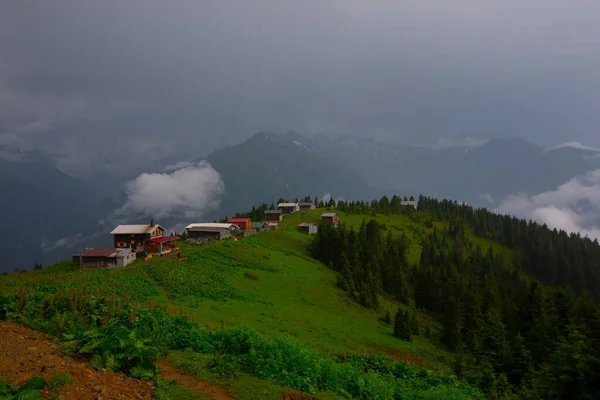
{"points": [[243, 223], [104, 258], [330, 218], [136, 236], [310, 229], [162, 245], [273, 215], [288, 208], [306, 206], [209, 230]]}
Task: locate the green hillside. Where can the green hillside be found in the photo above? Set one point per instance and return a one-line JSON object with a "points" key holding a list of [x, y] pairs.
{"points": [[263, 317], [267, 282]]}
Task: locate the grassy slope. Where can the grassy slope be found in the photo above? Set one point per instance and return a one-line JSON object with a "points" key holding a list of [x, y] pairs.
{"points": [[293, 295]]}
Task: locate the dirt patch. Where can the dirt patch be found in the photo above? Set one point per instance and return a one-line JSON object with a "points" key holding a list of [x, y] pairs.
{"points": [[214, 391], [25, 353]]}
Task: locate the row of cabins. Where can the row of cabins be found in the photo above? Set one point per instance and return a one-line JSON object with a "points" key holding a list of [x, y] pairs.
{"points": [[132, 241]]}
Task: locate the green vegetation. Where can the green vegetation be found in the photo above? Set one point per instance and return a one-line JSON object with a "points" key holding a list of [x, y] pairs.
{"points": [[402, 304], [171, 390], [29, 391], [513, 336]]}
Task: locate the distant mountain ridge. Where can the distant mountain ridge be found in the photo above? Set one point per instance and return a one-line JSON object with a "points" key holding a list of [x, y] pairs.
{"points": [[42, 206], [494, 169]]}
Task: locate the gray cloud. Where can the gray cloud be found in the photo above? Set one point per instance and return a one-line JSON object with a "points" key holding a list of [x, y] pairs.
{"points": [[210, 73], [573, 206], [189, 192]]}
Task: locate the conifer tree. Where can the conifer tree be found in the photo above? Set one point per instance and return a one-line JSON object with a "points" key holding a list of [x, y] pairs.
{"points": [[402, 326]]}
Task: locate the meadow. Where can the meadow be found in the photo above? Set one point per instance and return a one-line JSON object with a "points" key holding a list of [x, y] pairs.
{"points": [[269, 285]]}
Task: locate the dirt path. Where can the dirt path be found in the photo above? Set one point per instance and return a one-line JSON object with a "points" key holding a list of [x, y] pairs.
{"points": [[25, 353], [214, 391]]}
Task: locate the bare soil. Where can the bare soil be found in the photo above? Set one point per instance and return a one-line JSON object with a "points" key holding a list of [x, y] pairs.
{"points": [[25, 353], [214, 391]]}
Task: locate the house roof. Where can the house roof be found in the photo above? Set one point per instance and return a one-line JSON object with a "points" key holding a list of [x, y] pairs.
{"points": [[287, 205], [272, 224], [212, 225], [164, 239], [104, 252], [306, 204], [207, 229], [135, 229], [238, 219], [258, 224], [306, 225], [328, 215], [272, 212]]}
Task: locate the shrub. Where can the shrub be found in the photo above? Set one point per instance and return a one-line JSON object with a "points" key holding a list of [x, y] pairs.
{"points": [[251, 275]]}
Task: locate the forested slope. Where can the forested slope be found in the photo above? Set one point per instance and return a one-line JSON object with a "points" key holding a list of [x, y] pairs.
{"points": [[523, 322]]}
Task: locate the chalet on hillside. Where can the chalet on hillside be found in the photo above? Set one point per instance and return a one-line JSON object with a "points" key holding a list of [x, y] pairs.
{"points": [[310, 229], [104, 258], [330, 218], [273, 215], [243, 223], [306, 206], [411, 203], [162, 245], [136, 236], [288, 208], [210, 230]]}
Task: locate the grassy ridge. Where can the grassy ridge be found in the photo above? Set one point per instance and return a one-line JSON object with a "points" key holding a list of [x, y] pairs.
{"points": [[293, 295]]}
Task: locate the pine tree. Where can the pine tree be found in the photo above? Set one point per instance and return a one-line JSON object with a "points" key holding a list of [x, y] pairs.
{"points": [[402, 326], [414, 322]]}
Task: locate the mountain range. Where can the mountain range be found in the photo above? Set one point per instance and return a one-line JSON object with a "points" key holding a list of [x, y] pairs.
{"points": [[50, 214]]}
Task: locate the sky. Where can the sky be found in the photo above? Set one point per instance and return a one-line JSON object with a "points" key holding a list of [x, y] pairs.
{"points": [[153, 78]]}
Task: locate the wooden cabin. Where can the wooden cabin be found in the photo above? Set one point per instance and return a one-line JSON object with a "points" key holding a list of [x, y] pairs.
{"points": [[136, 236], [330, 218], [310, 229], [273, 215], [104, 258], [288, 208], [162, 245], [210, 230], [243, 223], [306, 206]]}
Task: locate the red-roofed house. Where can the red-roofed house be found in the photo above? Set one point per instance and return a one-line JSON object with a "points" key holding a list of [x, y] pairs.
{"points": [[243, 223], [162, 245]]}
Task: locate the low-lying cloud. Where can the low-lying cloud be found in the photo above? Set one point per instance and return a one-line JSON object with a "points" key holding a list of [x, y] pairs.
{"points": [[573, 206], [189, 192]]}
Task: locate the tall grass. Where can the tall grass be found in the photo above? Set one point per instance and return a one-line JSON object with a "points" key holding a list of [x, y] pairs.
{"points": [[120, 334]]}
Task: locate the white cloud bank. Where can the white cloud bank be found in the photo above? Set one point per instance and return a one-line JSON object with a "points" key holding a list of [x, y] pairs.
{"points": [[572, 145], [190, 192], [573, 206]]}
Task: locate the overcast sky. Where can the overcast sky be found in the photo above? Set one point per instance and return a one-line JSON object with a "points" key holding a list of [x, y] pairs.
{"points": [[201, 74]]}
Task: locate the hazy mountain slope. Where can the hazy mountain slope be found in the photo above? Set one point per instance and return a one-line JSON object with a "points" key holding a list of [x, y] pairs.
{"points": [[497, 168], [39, 205], [268, 166]]}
